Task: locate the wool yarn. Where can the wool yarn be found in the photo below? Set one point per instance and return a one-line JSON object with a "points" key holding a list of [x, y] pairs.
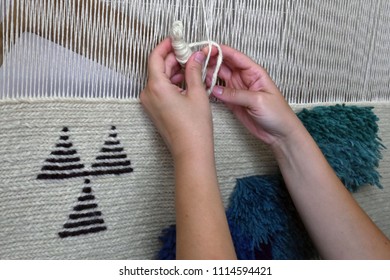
{"points": [[263, 223], [262, 218], [245, 250], [135, 206], [348, 138], [99, 49], [183, 52], [181, 48]]}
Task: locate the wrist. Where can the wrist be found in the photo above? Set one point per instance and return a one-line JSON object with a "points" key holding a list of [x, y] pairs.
{"points": [[195, 151], [191, 143], [197, 166], [283, 147]]}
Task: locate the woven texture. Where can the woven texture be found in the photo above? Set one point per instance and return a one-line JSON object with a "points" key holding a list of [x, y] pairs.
{"points": [[121, 171], [135, 206], [348, 137]]}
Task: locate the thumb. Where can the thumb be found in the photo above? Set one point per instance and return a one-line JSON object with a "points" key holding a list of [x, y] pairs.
{"points": [[193, 70], [234, 96]]}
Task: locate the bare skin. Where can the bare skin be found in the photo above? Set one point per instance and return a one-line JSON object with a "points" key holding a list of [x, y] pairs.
{"points": [[339, 228], [183, 118]]}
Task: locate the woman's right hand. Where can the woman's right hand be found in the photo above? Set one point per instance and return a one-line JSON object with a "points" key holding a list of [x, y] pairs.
{"points": [[253, 97]]}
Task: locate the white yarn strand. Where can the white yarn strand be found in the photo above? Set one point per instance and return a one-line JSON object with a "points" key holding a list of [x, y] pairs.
{"points": [[183, 52], [209, 41]]}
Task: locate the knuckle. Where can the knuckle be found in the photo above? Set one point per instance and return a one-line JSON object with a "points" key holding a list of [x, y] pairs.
{"points": [[150, 60], [258, 99], [193, 76], [155, 86], [143, 97], [234, 92], [193, 67]]}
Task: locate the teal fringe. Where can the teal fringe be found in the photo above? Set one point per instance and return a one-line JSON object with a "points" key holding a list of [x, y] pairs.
{"points": [[348, 137], [261, 215]]}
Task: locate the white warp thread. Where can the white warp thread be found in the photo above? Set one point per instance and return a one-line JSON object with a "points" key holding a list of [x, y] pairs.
{"points": [[315, 51], [183, 52]]}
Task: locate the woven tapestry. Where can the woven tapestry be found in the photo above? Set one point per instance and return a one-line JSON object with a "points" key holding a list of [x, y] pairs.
{"points": [[94, 180]]}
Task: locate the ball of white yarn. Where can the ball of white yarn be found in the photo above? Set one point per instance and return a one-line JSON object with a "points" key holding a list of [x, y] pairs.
{"points": [[183, 52], [180, 47]]}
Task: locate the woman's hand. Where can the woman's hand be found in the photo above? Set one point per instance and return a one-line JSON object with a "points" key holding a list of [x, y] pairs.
{"points": [[183, 117], [339, 228], [253, 97]]}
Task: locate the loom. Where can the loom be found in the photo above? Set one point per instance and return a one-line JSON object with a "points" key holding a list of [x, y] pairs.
{"points": [[71, 72]]}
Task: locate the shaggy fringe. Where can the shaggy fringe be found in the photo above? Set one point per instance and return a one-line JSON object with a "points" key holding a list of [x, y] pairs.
{"points": [[348, 137], [262, 218]]}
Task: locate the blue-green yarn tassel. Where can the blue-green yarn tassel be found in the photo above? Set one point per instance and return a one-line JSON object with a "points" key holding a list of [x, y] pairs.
{"points": [[262, 208], [348, 137], [261, 215]]}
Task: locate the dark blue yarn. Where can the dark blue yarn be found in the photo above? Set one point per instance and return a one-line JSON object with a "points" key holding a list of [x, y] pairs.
{"points": [[242, 244], [261, 207], [168, 239]]}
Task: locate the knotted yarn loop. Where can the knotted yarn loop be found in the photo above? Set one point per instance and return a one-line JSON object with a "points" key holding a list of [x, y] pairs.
{"points": [[183, 52]]}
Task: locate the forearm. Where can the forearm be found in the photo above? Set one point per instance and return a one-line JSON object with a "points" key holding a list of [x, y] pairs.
{"points": [[339, 228], [202, 229]]}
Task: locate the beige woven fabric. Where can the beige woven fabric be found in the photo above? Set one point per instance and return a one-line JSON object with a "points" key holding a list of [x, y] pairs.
{"points": [[135, 206]]}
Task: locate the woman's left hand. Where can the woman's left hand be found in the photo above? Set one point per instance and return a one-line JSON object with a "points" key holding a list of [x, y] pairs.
{"points": [[183, 117]]}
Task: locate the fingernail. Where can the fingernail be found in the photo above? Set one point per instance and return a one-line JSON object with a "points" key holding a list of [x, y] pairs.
{"points": [[218, 90], [199, 57]]}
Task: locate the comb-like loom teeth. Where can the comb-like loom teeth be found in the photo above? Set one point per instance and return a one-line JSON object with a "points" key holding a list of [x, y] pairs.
{"points": [[87, 14]]}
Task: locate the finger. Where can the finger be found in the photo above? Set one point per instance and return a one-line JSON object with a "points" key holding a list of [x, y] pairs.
{"points": [[193, 71], [171, 65], [208, 80], [209, 75], [226, 70], [212, 62], [236, 59], [214, 51], [225, 73], [156, 63], [177, 79], [234, 96]]}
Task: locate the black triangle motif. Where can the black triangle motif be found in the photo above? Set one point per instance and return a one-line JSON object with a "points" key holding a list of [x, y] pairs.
{"points": [[85, 217], [112, 158], [63, 162]]}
